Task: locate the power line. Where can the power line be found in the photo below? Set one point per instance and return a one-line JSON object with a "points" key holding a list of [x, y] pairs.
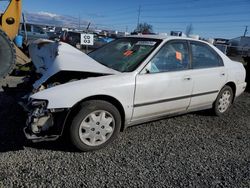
{"points": [[181, 2], [182, 7], [132, 17], [199, 15], [207, 27], [128, 10], [200, 22]]}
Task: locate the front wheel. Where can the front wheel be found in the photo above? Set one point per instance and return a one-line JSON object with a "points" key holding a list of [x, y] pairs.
{"points": [[223, 101], [95, 126]]}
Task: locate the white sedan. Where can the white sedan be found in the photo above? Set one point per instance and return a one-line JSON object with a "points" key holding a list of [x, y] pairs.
{"points": [[128, 81]]}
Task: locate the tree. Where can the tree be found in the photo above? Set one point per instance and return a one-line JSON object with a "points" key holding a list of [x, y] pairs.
{"points": [[189, 29], [144, 28]]}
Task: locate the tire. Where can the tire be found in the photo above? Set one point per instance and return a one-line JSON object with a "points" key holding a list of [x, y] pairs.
{"points": [[7, 55], [96, 125], [224, 101]]}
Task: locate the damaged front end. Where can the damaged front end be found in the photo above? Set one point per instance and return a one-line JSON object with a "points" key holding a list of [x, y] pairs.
{"points": [[44, 124], [57, 64], [54, 60]]}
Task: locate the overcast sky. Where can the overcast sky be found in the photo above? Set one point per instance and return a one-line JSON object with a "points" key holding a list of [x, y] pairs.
{"points": [[210, 18]]}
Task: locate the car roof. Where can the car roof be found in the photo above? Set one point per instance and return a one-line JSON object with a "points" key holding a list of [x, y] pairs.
{"points": [[163, 37]]}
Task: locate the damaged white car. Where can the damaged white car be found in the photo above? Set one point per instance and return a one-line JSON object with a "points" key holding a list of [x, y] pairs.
{"points": [[129, 81]]}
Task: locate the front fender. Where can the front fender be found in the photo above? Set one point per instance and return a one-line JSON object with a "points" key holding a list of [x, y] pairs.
{"points": [[120, 87]]}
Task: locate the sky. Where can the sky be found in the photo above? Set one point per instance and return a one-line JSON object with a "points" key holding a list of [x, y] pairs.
{"points": [[209, 18]]}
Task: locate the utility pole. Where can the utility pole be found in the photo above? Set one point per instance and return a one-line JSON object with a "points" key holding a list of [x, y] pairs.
{"points": [[25, 28], [139, 14], [87, 30], [245, 32], [79, 22]]}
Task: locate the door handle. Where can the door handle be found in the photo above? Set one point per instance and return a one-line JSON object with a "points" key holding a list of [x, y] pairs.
{"points": [[222, 74], [188, 78]]}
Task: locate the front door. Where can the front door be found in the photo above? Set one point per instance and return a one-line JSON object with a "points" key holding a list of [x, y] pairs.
{"points": [[165, 84]]}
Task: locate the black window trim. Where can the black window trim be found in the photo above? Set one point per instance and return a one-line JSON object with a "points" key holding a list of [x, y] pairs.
{"points": [[190, 42], [169, 42]]}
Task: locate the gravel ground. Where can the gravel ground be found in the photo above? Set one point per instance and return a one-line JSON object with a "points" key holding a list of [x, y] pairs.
{"points": [[193, 150]]}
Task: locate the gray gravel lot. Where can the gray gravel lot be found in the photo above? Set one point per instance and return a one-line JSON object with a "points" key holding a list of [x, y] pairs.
{"points": [[193, 150]]}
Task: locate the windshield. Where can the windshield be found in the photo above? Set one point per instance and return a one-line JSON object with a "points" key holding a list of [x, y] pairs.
{"points": [[125, 54]]}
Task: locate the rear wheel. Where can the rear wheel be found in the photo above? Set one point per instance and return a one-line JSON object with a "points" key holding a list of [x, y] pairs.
{"points": [[7, 55], [96, 125], [223, 101]]}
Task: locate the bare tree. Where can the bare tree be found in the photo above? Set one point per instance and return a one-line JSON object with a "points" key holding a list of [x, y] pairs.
{"points": [[189, 29], [144, 28]]}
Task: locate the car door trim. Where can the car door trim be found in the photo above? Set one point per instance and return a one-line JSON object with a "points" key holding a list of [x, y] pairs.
{"points": [[175, 98]]}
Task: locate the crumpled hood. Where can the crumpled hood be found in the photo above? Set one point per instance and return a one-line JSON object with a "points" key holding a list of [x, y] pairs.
{"points": [[51, 57]]}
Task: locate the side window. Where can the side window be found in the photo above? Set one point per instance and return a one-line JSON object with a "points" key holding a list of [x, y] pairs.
{"points": [[204, 57], [21, 27], [28, 28], [173, 56], [38, 30]]}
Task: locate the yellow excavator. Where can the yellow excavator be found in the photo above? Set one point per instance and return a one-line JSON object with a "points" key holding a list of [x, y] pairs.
{"points": [[9, 27]]}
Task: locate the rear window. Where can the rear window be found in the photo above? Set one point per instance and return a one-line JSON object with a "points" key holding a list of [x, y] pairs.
{"points": [[204, 56]]}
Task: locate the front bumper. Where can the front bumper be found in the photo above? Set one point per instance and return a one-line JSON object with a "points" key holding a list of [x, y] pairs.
{"points": [[35, 138], [44, 124]]}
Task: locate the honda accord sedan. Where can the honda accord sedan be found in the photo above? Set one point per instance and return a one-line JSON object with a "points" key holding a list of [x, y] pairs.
{"points": [[129, 81]]}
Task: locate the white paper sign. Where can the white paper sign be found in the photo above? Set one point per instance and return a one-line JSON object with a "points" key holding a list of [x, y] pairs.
{"points": [[87, 39]]}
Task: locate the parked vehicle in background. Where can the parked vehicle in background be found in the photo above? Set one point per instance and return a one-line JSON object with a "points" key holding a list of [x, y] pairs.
{"points": [[100, 40], [128, 81], [239, 46], [71, 37], [32, 32], [221, 44], [74, 39], [53, 35], [237, 49]]}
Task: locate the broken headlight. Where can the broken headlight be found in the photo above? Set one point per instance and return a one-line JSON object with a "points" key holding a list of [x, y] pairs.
{"points": [[40, 119], [39, 103]]}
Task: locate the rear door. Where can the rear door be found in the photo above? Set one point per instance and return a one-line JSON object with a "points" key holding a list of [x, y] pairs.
{"points": [[208, 74]]}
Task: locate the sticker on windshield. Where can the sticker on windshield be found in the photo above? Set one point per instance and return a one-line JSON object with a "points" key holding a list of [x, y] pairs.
{"points": [[146, 43], [128, 53], [178, 56]]}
